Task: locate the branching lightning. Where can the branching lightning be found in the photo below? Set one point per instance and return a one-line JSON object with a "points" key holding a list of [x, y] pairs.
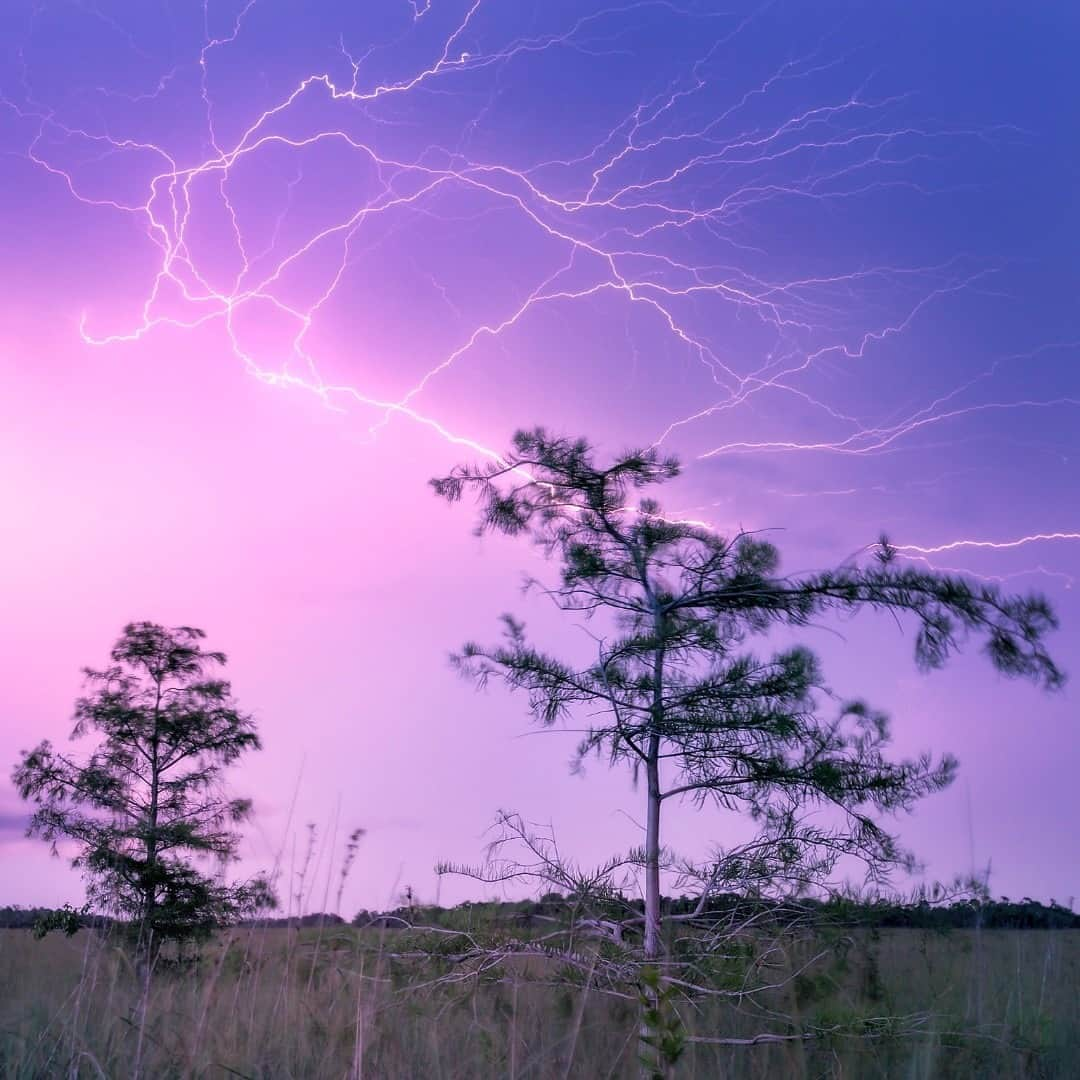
{"points": [[658, 212]]}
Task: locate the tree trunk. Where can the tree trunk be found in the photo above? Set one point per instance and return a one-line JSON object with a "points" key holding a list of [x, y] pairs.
{"points": [[652, 853], [147, 946], [652, 1066], [652, 1063]]}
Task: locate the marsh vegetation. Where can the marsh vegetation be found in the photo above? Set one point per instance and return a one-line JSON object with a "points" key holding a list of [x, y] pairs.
{"points": [[341, 1001]]}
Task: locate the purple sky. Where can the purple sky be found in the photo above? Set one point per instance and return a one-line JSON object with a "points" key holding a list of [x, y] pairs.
{"points": [[266, 273]]}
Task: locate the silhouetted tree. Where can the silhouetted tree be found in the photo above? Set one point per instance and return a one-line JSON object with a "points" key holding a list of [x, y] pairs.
{"points": [[675, 695], [150, 797]]}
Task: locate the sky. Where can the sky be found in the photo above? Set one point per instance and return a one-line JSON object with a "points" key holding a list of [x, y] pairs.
{"points": [[267, 268]]}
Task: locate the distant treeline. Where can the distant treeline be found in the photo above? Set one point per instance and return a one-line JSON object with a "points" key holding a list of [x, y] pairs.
{"points": [[21, 918], [1001, 914]]}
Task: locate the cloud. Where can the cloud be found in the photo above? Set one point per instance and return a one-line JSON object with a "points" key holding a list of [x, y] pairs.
{"points": [[14, 816], [12, 826]]}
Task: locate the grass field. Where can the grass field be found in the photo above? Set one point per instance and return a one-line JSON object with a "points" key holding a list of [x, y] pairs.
{"points": [[347, 1003]]}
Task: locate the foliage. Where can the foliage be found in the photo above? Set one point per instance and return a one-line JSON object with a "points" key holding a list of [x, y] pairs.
{"points": [[249, 1009], [67, 919], [676, 695], [663, 1040], [149, 797], [675, 687]]}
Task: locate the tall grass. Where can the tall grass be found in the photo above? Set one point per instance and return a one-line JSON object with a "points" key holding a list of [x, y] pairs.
{"points": [[341, 1002]]}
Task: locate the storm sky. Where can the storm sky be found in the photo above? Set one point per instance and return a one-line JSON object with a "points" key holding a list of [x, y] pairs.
{"points": [[269, 267]]}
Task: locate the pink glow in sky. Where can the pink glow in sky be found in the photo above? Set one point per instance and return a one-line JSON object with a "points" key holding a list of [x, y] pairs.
{"points": [[265, 273]]}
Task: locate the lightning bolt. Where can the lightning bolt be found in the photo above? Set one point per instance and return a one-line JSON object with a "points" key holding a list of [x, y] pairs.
{"points": [[658, 212], [996, 545]]}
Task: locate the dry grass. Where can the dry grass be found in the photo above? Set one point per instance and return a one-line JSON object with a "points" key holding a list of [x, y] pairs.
{"points": [[277, 1003]]}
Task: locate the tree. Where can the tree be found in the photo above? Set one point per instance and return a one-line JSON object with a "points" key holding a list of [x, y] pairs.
{"points": [[150, 797], [674, 692]]}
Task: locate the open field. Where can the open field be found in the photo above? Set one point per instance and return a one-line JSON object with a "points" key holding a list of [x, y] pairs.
{"points": [[347, 1003]]}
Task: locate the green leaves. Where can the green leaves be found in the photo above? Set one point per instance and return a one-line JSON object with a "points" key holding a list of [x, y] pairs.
{"points": [[663, 1031], [67, 919], [150, 794], [673, 673], [947, 609]]}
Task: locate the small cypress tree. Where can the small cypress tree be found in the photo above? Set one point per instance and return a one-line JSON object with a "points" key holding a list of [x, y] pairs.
{"points": [[150, 798]]}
